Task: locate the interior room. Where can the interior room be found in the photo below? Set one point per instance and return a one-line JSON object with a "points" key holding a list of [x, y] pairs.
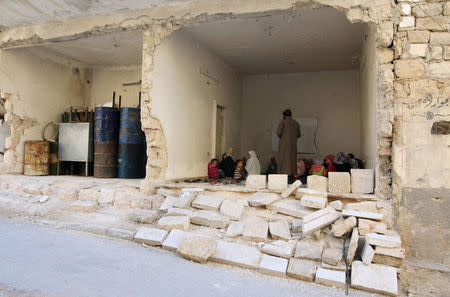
{"points": [[222, 84]]}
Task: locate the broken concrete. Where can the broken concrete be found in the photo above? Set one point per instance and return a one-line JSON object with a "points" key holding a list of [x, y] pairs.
{"points": [[261, 199], [302, 269], [331, 278], [280, 230], [196, 248], [339, 182], [236, 254], [255, 229], [291, 189], [273, 265], [278, 182], [279, 248], [150, 236], [174, 222], [374, 278], [210, 218], [207, 202], [308, 249]]}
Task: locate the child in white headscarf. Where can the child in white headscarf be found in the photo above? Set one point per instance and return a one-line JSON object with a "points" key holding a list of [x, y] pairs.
{"points": [[253, 167]]}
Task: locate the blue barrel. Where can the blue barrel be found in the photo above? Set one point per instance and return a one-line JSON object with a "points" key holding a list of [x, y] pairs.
{"points": [[132, 146], [106, 134]]}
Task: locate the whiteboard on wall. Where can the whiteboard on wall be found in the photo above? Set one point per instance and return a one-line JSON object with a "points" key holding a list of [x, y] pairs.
{"points": [[305, 144]]}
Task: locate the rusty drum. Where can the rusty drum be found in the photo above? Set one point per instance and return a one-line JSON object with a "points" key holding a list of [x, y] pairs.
{"points": [[36, 157], [106, 134]]}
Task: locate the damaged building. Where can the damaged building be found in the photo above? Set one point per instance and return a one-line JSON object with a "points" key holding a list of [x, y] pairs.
{"points": [[368, 77]]}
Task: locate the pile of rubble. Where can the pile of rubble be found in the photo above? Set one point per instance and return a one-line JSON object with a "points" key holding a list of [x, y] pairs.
{"points": [[299, 234]]}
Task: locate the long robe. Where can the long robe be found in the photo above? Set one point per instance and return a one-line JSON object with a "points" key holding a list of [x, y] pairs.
{"points": [[288, 131]]}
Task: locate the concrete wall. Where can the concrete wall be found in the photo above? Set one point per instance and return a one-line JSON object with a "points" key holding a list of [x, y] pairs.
{"points": [[105, 81], [368, 91], [331, 97], [42, 89], [183, 100]]}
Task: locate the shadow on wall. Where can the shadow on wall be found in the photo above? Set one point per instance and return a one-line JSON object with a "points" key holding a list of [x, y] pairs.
{"points": [[5, 130]]}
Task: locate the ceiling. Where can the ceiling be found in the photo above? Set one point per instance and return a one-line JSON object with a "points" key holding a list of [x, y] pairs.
{"points": [[18, 13], [118, 49], [313, 40]]}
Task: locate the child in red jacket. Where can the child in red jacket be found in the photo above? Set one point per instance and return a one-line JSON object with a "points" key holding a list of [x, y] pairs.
{"points": [[213, 171]]}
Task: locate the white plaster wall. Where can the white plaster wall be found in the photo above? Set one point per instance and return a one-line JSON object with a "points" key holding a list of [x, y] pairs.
{"points": [[41, 89], [107, 80], [368, 83], [184, 101], [331, 97]]}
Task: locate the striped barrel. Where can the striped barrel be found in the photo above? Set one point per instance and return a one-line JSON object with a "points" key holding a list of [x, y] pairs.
{"points": [[106, 132], [132, 147]]}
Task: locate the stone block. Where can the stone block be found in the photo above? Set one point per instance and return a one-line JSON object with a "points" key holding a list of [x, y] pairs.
{"points": [[374, 278], [255, 230], [308, 249], [328, 217], [193, 190], [418, 50], [353, 246], [278, 182], [106, 196], [328, 277], [409, 69], [367, 253], [256, 182], [273, 265], [180, 212], [342, 227], [235, 229], [279, 248], [296, 225], [428, 9], [384, 55], [313, 202], [67, 194], [294, 186], [362, 214], [197, 248], [405, 8], [168, 203], [446, 8], [406, 22], [174, 222], [435, 23], [236, 254], [302, 269], [173, 240], [368, 226], [261, 199], [184, 200], [439, 70], [232, 209], [422, 36], [389, 241], [309, 192], [317, 214], [362, 181], [143, 216], [332, 256], [340, 266], [150, 236], [126, 200], [392, 252], [337, 205], [88, 195], [446, 54], [318, 183], [289, 207], [387, 260], [157, 201], [210, 218], [207, 202], [83, 206], [280, 230], [440, 38], [339, 182]]}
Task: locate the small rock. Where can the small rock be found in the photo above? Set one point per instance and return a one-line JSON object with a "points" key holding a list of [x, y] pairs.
{"points": [[43, 199]]}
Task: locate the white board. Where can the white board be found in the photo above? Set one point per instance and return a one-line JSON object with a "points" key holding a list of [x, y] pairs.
{"points": [[305, 144]]}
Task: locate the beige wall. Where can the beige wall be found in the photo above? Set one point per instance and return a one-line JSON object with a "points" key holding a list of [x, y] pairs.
{"points": [[41, 90], [331, 97], [183, 100], [368, 90], [107, 80]]}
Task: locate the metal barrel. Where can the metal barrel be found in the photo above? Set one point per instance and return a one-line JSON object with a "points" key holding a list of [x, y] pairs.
{"points": [[36, 157], [106, 133], [53, 159], [132, 147]]}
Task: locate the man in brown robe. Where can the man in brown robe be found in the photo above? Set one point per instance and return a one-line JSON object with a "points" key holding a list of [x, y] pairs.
{"points": [[288, 131]]}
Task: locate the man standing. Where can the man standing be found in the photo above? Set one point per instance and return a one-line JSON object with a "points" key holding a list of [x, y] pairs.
{"points": [[288, 131]]}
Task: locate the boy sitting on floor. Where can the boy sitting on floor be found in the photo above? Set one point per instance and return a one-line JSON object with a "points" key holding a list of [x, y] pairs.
{"points": [[240, 173]]}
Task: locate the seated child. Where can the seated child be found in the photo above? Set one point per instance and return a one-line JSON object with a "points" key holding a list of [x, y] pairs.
{"points": [[317, 169], [240, 173], [273, 166], [213, 171], [329, 164]]}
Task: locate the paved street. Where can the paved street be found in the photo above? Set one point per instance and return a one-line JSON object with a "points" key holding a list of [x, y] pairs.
{"points": [[41, 261]]}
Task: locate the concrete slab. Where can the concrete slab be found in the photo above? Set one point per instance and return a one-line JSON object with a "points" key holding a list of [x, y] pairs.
{"points": [[173, 240], [256, 182], [302, 269], [261, 199], [197, 248], [318, 183], [150, 236], [278, 182], [332, 256], [328, 277], [235, 229], [210, 218], [291, 188], [392, 252], [279, 248], [255, 229], [374, 278], [362, 214], [232, 209], [174, 222], [313, 202], [367, 253], [207, 202], [308, 249], [236, 254], [389, 241], [180, 212], [339, 182], [362, 181], [353, 246], [290, 207], [273, 265], [280, 230]]}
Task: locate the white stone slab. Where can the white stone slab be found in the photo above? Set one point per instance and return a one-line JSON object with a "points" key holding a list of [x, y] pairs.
{"points": [[196, 247], [166, 192], [309, 192], [362, 214], [302, 269], [150, 236], [337, 205], [313, 202], [278, 182], [296, 225], [342, 227], [339, 182], [389, 241], [319, 223], [236, 254], [374, 278], [367, 253], [173, 240], [328, 277], [167, 203], [232, 209], [184, 200], [294, 186], [207, 202], [180, 212], [83, 206], [279, 248], [362, 181], [256, 182], [308, 249], [289, 207], [332, 256], [210, 218], [106, 196], [318, 183], [317, 214], [368, 226], [235, 229], [273, 265], [351, 252], [174, 222], [261, 199], [392, 252], [255, 229], [144, 216], [280, 230]]}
